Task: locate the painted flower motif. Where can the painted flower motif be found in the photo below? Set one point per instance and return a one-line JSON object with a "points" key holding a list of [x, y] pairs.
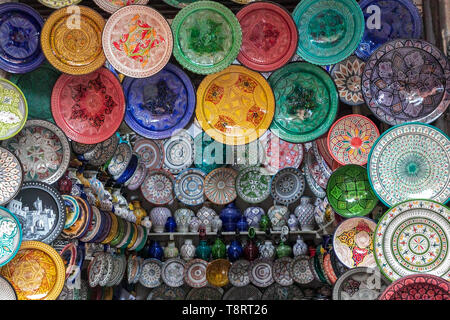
{"points": [[224, 124], [356, 141], [255, 115], [214, 93], [246, 84], [347, 77]]}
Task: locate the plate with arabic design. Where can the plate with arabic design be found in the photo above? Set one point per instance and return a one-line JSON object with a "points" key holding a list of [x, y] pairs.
{"points": [[41, 266], [150, 276], [418, 287], [119, 162], [138, 177], [43, 150], [347, 76], [280, 154], [102, 151], [11, 175], [351, 138], [300, 270], [249, 292], [88, 108], [316, 168], [317, 190], [261, 273], [164, 292], [137, 41], [57, 4], [235, 106], [111, 6], [178, 152], [407, 80], [412, 237], [7, 291], [10, 236], [205, 293], [306, 102], [287, 186], [410, 161], [107, 269], [172, 272], [220, 186], [95, 269], [239, 273], [253, 184], [13, 109], [74, 47], [189, 186], [157, 187], [150, 152], [360, 283], [195, 273], [282, 271], [278, 292]]}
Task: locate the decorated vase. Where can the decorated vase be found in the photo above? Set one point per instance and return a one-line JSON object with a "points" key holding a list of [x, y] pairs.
{"points": [[229, 216], [242, 224], [218, 249], [171, 251], [253, 216], [146, 223], [155, 250], [267, 250], [305, 214], [293, 223], [183, 217], [235, 250], [138, 211], [278, 216], [216, 224], [251, 251], [194, 224], [300, 247], [187, 250], [206, 212], [159, 216], [65, 184], [207, 224]]}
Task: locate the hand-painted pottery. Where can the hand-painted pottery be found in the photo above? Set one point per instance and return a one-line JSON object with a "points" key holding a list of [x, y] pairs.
{"points": [[219, 186], [74, 46], [107, 270], [347, 76], [120, 160], [88, 108], [410, 161], [44, 284], [267, 250], [183, 217], [164, 292], [278, 216], [178, 152], [7, 291], [207, 37], [306, 102], [300, 270], [157, 187], [194, 224], [235, 106], [208, 292], [418, 287], [150, 276], [360, 284], [407, 80], [319, 170], [57, 4], [217, 272], [278, 292], [315, 188], [229, 216], [102, 152], [328, 268], [351, 138], [195, 273], [253, 184], [187, 251], [269, 36], [234, 251], [10, 236], [248, 292], [393, 20], [280, 154], [300, 247], [150, 153], [13, 109], [203, 250], [148, 54], [159, 105], [173, 272], [206, 212], [412, 237], [111, 6], [239, 273], [129, 171], [283, 249], [138, 176], [282, 271], [349, 192], [253, 215], [159, 217], [287, 185], [261, 273], [20, 28], [208, 153], [320, 148], [247, 155], [11, 175], [179, 3], [72, 210], [353, 242]]}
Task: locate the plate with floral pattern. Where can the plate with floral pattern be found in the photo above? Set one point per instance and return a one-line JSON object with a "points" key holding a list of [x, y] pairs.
{"points": [[282, 271], [150, 152], [418, 287], [287, 186], [150, 276], [220, 186], [347, 76], [10, 235], [239, 273], [261, 272], [189, 186], [119, 162], [11, 175], [13, 109], [102, 151], [157, 187], [280, 154], [172, 272], [111, 6], [253, 184], [178, 152], [195, 273], [300, 270]]}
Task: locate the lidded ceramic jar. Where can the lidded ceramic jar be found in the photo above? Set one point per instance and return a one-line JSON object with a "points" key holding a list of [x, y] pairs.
{"points": [[206, 212], [293, 223], [194, 224], [206, 223], [305, 214], [171, 225], [242, 224], [171, 251], [146, 223], [159, 216], [155, 250], [278, 216], [229, 216], [183, 217], [283, 250], [187, 250], [300, 247], [216, 224], [253, 216], [267, 250]]}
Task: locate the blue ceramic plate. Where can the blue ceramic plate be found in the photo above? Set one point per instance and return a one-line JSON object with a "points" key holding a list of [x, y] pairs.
{"points": [[398, 19], [160, 104], [20, 31]]}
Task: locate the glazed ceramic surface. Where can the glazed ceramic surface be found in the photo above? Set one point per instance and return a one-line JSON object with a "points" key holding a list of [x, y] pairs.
{"points": [[150, 276], [72, 210], [150, 152], [418, 287], [11, 175], [239, 273], [10, 236], [261, 273], [208, 153], [178, 152], [278, 292], [103, 151], [111, 6], [247, 155], [56, 4], [248, 292], [278, 216], [164, 292], [317, 168], [347, 76], [282, 271], [7, 290], [253, 184], [205, 293], [157, 187], [173, 272], [195, 273], [287, 185], [220, 186], [179, 3], [217, 272], [119, 162], [13, 109], [410, 161], [280, 154]]}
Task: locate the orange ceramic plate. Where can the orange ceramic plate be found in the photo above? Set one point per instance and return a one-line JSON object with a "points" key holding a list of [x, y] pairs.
{"points": [[37, 272], [235, 106]]}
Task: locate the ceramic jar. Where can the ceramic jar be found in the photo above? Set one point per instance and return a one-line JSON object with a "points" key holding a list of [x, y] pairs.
{"points": [[65, 184], [319, 212], [159, 216], [194, 224], [203, 250], [293, 223], [267, 250], [242, 224], [138, 211], [171, 225], [171, 251], [155, 250], [300, 247], [305, 214], [183, 217], [206, 212], [264, 223], [229, 216], [146, 223], [216, 224], [283, 250], [207, 224], [253, 215], [187, 250], [218, 249], [234, 250], [278, 216]]}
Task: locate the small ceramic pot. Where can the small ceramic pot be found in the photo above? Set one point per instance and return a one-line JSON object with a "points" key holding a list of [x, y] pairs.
{"points": [[264, 223], [253, 215], [146, 223], [300, 247], [183, 217], [207, 224], [138, 211], [187, 250], [194, 224], [293, 223], [171, 225], [305, 214], [251, 251], [242, 224], [159, 216], [267, 250], [216, 224], [234, 251], [319, 212], [278, 216], [171, 251]]}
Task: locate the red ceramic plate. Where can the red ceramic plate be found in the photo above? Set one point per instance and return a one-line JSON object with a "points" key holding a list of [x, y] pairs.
{"points": [[269, 36], [88, 108], [418, 287], [322, 147]]}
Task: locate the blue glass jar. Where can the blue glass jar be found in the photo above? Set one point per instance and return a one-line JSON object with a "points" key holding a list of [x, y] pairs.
{"points": [[171, 225], [242, 224], [229, 216], [155, 250], [235, 250]]}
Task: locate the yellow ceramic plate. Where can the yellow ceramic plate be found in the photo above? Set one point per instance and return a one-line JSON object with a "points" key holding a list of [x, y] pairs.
{"points": [[217, 272], [37, 272], [71, 40], [235, 106]]}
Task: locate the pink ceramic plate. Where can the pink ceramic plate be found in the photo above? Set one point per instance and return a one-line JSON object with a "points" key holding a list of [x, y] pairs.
{"points": [[281, 154], [112, 6]]}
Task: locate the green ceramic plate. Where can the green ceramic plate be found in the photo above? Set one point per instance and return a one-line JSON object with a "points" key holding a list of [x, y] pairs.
{"points": [[207, 37], [329, 31], [306, 102], [179, 4], [253, 184], [37, 87]]}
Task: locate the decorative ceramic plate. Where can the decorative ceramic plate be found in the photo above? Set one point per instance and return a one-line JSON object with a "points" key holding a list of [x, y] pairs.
{"points": [[88, 108], [43, 150], [159, 105], [157, 187], [282, 271], [349, 192], [74, 46], [195, 273], [20, 28], [179, 3], [11, 175], [95, 269], [300, 270], [261, 273], [320, 147], [353, 242], [395, 19], [107, 269], [269, 36], [47, 283], [412, 237], [57, 4], [306, 102], [178, 152], [410, 161], [247, 155], [351, 138], [7, 290], [328, 268], [103, 151], [235, 106], [278, 292], [82, 224], [72, 210], [207, 37], [10, 236], [338, 268], [13, 109], [360, 284], [150, 153], [418, 287], [280, 154], [239, 273], [40, 210], [220, 186], [407, 80], [122, 157], [287, 186], [172, 272], [316, 189], [129, 171], [111, 6], [248, 292], [189, 187], [217, 272], [137, 41], [316, 166], [205, 149], [164, 292], [253, 184], [329, 31], [205, 293], [150, 276], [137, 178], [347, 76]]}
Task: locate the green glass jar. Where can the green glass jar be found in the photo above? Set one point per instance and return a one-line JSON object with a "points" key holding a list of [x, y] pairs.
{"points": [[264, 223], [203, 250], [218, 249], [283, 250]]}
